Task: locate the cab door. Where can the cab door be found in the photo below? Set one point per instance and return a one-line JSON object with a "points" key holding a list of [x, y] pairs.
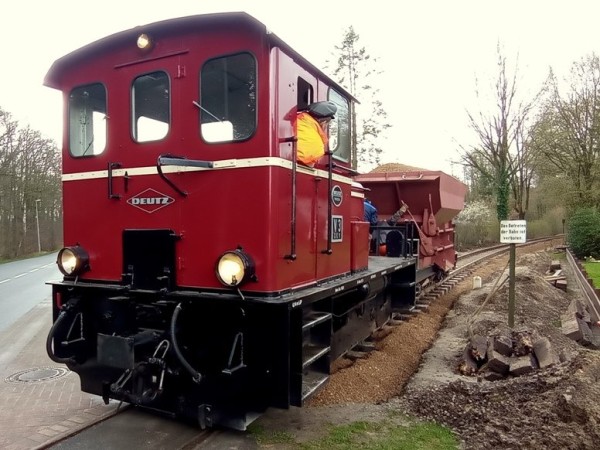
{"points": [[296, 212], [116, 129]]}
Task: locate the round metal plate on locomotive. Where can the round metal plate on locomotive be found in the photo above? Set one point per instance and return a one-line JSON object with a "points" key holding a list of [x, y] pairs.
{"points": [[37, 374], [337, 196]]}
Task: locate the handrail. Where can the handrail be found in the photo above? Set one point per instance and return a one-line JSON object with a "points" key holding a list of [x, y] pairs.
{"points": [[347, 169], [328, 250], [111, 166], [293, 139]]}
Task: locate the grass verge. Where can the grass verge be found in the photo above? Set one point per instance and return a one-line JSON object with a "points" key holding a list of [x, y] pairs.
{"points": [[368, 436]]}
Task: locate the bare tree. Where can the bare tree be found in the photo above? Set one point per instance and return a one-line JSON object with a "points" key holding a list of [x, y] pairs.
{"points": [[29, 177], [568, 131], [522, 164], [356, 70], [501, 155]]}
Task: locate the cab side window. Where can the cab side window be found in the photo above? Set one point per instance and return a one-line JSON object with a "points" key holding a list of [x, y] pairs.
{"points": [[339, 128], [151, 110], [228, 98], [87, 120]]}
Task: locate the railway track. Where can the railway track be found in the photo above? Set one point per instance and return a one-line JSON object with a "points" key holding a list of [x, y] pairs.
{"points": [[467, 263], [131, 427], [134, 428]]}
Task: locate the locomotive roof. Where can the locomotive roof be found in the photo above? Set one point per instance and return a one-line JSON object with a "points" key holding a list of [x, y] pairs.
{"points": [[165, 27]]}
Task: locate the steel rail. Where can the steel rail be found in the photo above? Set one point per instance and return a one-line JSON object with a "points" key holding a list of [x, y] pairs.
{"points": [[589, 292]]}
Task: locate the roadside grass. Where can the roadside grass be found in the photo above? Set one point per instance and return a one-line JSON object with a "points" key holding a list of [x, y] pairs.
{"points": [[270, 438], [19, 258], [593, 271], [369, 436]]}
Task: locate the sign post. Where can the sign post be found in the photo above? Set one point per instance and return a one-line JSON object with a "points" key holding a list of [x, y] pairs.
{"points": [[512, 232]]}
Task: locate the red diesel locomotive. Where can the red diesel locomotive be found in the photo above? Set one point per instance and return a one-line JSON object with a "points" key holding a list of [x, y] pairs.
{"points": [[207, 274]]}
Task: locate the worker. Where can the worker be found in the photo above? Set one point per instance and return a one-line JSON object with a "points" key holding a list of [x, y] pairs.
{"points": [[370, 214], [311, 130]]}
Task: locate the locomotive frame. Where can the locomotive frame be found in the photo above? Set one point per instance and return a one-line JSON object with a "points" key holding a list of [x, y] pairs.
{"points": [[207, 274]]}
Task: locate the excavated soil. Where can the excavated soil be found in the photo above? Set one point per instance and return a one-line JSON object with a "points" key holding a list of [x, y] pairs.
{"points": [[414, 371]]}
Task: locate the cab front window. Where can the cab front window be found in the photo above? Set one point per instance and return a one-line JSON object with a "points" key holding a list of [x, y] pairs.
{"points": [[87, 120], [151, 107], [228, 98]]}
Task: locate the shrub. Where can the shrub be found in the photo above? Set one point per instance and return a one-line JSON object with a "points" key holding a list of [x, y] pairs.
{"points": [[583, 232], [476, 225]]}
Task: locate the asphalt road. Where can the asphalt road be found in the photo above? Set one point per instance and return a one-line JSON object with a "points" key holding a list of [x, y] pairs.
{"points": [[23, 286]]}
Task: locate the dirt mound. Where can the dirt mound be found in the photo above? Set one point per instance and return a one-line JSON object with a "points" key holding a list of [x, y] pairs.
{"points": [[554, 408], [551, 409], [396, 167]]}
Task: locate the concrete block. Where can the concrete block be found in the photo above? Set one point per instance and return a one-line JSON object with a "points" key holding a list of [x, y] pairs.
{"points": [[497, 362], [479, 346], [587, 336], [521, 365], [492, 376], [503, 344], [544, 353], [570, 327]]}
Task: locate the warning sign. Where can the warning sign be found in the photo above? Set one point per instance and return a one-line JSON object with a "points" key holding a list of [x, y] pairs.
{"points": [[513, 231]]}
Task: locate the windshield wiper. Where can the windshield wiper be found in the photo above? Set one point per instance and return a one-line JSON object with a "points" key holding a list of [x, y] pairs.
{"points": [[205, 110]]}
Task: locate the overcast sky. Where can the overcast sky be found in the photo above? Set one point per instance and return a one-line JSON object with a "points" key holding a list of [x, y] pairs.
{"points": [[430, 53]]}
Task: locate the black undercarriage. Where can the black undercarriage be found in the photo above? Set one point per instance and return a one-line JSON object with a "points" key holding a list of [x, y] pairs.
{"points": [[220, 358]]}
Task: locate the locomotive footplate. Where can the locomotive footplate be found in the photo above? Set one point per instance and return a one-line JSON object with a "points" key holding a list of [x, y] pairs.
{"points": [[399, 273]]}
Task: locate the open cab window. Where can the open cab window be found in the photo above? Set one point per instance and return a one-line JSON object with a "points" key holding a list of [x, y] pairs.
{"points": [[87, 120], [338, 129]]}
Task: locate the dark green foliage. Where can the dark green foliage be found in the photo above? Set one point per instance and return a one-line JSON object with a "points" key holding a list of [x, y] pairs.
{"points": [[502, 195], [583, 232]]}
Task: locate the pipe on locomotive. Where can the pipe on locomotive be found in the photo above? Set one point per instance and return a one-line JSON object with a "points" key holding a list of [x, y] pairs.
{"points": [[196, 376], [49, 349]]}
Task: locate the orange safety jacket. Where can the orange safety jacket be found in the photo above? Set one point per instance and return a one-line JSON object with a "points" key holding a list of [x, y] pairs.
{"points": [[312, 139]]}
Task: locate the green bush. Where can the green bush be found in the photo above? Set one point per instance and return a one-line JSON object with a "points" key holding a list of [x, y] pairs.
{"points": [[583, 232]]}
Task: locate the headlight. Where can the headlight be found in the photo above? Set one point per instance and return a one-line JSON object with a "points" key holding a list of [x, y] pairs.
{"points": [[234, 268], [73, 261], [144, 42]]}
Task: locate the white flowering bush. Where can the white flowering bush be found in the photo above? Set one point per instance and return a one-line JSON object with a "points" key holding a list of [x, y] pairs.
{"points": [[476, 224]]}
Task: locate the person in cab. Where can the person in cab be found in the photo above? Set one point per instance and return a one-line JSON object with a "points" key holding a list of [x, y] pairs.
{"points": [[311, 130]]}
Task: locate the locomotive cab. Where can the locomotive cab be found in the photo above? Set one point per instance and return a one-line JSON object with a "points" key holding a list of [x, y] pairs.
{"points": [[207, 273], [168, 133]]}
